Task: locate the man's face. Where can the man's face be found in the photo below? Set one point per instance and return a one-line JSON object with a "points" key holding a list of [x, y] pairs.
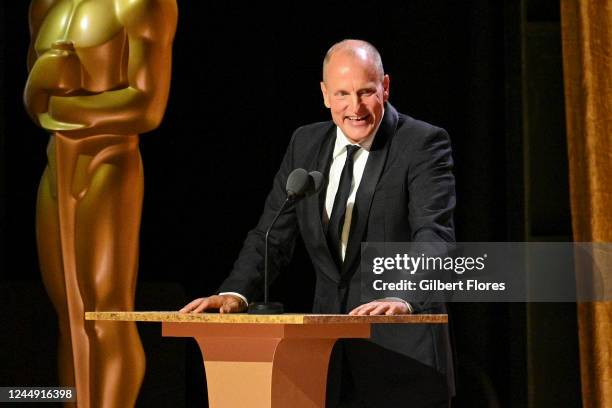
{"points": [[355, 93]]}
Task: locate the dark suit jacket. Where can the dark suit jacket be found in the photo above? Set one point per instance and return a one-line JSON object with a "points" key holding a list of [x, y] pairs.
{"points": [[407, 193]]}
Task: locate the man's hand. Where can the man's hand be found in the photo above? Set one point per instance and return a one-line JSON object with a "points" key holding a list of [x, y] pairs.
{"points": [[225, 304], [381, 307]]}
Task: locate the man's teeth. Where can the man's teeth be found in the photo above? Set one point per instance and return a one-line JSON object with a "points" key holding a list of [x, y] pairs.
{"points": [[356, 117]]}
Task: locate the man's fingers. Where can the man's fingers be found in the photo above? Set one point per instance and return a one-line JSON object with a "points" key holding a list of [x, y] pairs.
{"points": [[381, 308], [392, 310], [378, 307], [364, 310], [229, 306], [355, 311], [204, 304], [395, 309], [191, 305], [201, 304]]}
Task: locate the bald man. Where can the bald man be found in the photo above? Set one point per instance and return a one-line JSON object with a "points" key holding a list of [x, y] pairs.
{"points": [[388, 179]]}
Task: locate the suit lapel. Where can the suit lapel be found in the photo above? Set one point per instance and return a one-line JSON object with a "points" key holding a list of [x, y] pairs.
{"points": [[371, 175], [314, 206], [323, 164]]}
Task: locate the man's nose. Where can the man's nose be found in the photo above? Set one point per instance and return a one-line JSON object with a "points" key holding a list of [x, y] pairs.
{"points": [[355, 102]]}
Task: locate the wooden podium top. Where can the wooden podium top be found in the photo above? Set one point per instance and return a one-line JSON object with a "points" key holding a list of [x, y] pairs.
{"points": [[269, 319]]}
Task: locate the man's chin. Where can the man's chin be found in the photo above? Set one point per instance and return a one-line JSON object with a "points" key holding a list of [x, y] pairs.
{"points": [[357, 135]]}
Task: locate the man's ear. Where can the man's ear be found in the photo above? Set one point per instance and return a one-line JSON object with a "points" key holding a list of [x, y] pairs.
{"points": [[386, 82], [325, 95]]}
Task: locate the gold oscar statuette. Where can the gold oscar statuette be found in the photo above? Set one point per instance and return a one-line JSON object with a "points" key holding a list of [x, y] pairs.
{"points": [[99, 75]]}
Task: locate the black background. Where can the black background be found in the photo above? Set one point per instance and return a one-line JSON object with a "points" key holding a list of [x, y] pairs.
{"points": [[244, 77]]}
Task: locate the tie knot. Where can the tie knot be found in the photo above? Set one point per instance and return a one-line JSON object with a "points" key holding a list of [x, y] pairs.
{"points": [[351, 150]]}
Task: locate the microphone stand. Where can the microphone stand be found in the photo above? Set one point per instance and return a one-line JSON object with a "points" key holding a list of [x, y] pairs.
{"points": [[299, 185], [266, 307]]}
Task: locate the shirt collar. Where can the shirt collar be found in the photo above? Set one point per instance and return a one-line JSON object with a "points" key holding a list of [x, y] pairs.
{"points": [[342, 141]]}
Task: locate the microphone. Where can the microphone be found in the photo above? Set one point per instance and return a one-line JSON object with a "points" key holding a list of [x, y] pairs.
{"points": [[300, 184], [297, 183], [317, 182]]}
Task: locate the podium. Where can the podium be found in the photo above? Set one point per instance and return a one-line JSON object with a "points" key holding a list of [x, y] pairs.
{"points": [[273, 361]]}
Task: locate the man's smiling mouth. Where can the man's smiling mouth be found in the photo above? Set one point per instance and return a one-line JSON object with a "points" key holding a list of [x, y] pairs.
{"points": [[357, 118]]}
